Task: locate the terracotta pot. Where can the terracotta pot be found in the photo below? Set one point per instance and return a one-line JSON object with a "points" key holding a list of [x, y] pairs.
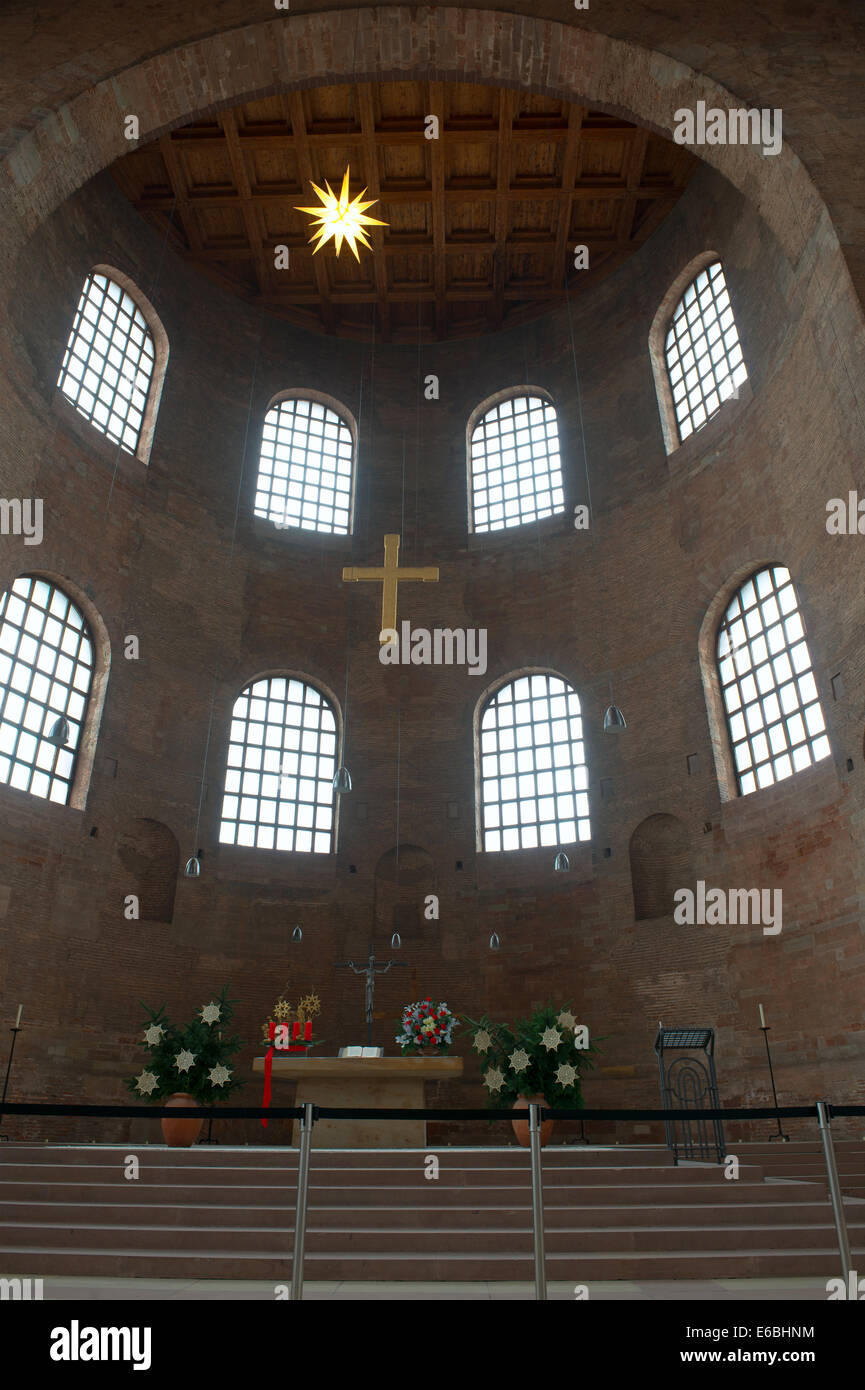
{"points": [[179, 1134], [521, 1127]]}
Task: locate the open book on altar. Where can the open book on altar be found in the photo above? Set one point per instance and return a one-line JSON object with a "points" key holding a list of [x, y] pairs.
{"points": [[361, 1052]]}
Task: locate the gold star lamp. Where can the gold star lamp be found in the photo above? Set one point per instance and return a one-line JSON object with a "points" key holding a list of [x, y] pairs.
{"points": [[341, 218]]}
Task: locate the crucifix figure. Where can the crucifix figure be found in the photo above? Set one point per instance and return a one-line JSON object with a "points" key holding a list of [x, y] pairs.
{"points": [[389, 576], [371, 969]]}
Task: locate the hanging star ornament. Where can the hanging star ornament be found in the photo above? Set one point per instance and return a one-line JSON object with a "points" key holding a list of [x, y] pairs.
{"points": [[210, 1013], [566, 1075], [519, 1059], [482, 1041], [551, 1039], [566, 1020], [341, 219], [153, 1034], [146, 1082], [494, 1079], [183, 1061], [219, 1075]]}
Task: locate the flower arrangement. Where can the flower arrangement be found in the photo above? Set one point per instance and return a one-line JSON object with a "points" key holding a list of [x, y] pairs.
{"points": [[545, 1055], [425, 1027]]}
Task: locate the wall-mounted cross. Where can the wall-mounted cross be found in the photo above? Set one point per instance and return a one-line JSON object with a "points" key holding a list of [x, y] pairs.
{"points": [[389, 576]]}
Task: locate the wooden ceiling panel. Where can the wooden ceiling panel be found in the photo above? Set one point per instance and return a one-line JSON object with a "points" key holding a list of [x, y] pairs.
{"points": [[207, 170], [407, 219], [594, 218], [533, 112], [468, 104], [481, 222], [470, 220], [407, 269], [265, 117], [530, 219], [330, 110], [273, 168], [472, 269], [537, 162], [604, 156], [469, 164], [406, 165], [398, 104]]}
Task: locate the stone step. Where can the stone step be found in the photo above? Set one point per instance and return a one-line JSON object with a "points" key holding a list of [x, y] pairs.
{"points": [[406, 1179], [445, 1237], [342, 1193], [413, 1217], [425, 1266], [218, 1156]]}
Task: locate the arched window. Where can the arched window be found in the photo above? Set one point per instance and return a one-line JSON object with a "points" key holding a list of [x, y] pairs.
{"points": [[113, 366], [306, 467], [46, 671], [702, 352], [533, 776], [281, 764], [774, 717], [515, 472]]}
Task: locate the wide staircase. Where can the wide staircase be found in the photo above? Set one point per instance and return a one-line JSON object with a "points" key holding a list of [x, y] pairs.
{"points": [[228, 1213], [803, 1159]]}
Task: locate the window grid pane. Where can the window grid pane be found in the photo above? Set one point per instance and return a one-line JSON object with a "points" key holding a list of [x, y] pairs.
{"points": [[306, 468], [516, 469], [281, 764], [774, 716], [108, 363], [704, 358], [46, 669], [534, 778]]}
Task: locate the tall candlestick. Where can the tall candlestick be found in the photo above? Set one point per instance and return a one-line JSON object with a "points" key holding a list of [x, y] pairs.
{"points": [[762, 1016], [20, 1012]]}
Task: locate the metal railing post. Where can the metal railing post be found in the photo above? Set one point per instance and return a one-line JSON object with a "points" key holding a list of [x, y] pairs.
{"points": [[835, 1187], [537, 1202], [306, 1125]]}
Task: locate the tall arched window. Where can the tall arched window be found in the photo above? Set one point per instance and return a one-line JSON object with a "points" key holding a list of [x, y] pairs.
{"points": [[306, 467], [774, 716], [702, 352], [113, 365], [533, 776], [515, 471], [46, 672], [281, 764]]}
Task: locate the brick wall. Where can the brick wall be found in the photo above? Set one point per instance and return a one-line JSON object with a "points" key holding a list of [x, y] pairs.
{"points": [[632, 595]]}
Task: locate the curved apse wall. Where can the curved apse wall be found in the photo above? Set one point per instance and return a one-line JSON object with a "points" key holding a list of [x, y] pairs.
{"points": [[669, 534]]}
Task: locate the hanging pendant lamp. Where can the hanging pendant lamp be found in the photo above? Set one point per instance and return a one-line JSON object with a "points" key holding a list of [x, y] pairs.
{"points": [[59, 732], [396, 941], [495, 944], [563, 863], [614, 720], [342, 780], [193, 867]]}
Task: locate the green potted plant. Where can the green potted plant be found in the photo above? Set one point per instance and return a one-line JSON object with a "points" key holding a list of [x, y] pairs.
{"points": [[196, 1056], [541, 1059]]}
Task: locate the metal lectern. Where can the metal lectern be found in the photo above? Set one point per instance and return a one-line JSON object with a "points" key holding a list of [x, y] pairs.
{"points": [[689, 1083]]}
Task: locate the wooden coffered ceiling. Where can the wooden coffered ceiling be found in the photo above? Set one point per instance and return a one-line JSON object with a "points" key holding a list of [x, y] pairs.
{"points": [[482, 222]]}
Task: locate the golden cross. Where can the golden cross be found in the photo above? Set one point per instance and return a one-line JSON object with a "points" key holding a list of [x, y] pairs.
{"points": [[389, 576]]}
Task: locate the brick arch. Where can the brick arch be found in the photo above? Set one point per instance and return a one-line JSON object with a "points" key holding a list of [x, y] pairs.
{"points": [[67, 147]]}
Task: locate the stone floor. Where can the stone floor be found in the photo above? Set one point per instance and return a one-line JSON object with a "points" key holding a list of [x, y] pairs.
{"points": [[766, 1290]]}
